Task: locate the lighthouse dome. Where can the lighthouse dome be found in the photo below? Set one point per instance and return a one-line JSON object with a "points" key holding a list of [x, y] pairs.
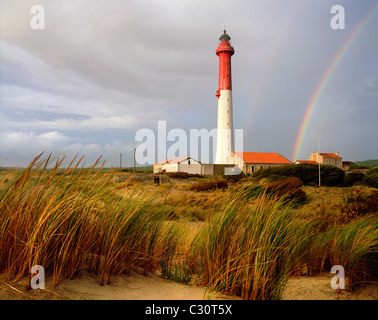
{"points": [[225, 37]]}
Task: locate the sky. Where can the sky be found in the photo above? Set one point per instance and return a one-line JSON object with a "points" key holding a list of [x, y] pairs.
{"points": [[101, 70]]}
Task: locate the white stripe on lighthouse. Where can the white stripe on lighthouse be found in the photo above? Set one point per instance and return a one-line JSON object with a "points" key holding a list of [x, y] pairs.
{"points": [[225, 141]]}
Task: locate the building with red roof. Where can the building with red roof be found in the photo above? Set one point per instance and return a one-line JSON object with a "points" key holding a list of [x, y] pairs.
{"points": [[332, 159], [254, 161]]}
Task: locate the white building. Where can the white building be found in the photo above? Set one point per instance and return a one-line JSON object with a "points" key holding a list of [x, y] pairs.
{"points": [[187, 164]]}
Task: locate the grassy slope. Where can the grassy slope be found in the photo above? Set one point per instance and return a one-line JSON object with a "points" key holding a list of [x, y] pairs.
{"points": [[246, 246]]}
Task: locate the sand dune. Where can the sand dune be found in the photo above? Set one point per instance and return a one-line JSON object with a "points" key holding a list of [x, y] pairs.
{"points": [[139, 287]]}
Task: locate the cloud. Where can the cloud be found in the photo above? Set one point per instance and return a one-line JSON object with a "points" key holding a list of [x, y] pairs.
{"points": [[105, 68], [30, 140]]}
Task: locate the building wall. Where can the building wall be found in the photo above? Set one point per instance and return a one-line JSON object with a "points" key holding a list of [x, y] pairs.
{"points": [[315, 157], [207, 169], [170, 167], [157, 168], [233, 159], [175, 167], [197, 168], [250, 168], [215, 169], [190, 168], [337, 162]]}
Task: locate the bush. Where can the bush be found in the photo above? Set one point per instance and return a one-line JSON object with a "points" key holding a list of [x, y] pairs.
{"points": [[353, 178], [209, 185], [234, 177], [371, 178], [307, 173], [357, 204], [182, 175], [354, 166], [289, 189]]}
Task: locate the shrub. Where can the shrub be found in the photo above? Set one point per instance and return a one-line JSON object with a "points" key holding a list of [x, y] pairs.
{"points": [[289, 189], [178, 272], [357, 204], [331, 176], [371, 178], [182, 175], [353, 178], [209, 185], [308, 173], [234, 177]]}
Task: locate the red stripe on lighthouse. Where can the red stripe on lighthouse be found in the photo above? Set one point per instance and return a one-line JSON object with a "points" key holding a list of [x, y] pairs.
{"points": [[224, 52]]}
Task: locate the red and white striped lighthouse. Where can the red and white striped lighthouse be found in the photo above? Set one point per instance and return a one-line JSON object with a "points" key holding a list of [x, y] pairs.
{"points": [[225, 141]]}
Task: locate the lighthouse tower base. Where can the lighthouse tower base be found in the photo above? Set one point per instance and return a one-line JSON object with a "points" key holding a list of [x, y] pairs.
{"points": [[225, 141]]}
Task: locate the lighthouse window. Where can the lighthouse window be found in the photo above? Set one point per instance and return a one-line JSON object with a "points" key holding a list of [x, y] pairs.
{"points": [[228, 111], [228, 123]]}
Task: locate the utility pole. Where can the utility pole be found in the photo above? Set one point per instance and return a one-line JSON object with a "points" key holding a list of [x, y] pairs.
{"points": [[120, 161], [319, 158], [134, 160]]}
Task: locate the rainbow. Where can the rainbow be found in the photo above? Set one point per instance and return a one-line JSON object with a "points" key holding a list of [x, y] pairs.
{"points": [[325, 80]]}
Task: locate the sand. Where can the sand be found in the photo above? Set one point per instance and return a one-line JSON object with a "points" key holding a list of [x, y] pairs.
{"points": [[87, 287], [319, 288], [138, 287]]}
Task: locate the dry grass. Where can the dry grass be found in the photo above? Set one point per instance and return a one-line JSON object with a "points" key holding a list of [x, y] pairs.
{"points": [[65, 221], [245, 240]]}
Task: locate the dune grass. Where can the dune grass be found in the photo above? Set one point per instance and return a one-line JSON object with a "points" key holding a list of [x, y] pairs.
{"points": [[65, 222], [244, 241], [255, 240], [248, 246], [353, 246]]}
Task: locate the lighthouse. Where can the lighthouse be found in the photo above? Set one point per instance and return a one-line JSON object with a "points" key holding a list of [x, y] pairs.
{"points": [[225, 140]]}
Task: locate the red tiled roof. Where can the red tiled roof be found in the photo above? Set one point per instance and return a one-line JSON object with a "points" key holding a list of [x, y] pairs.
{"points": [[262, 157], [307, 161], [177, 160], [329, 155], [161, 162]]}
